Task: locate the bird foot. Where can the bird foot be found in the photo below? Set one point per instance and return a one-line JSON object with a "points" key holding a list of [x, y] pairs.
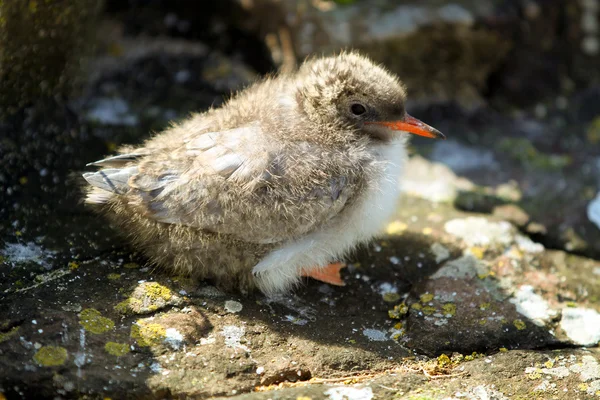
{"points": [[328, 274]]}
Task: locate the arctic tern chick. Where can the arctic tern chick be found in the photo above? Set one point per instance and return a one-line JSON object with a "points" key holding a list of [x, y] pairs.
{"points": [[278, 183]]}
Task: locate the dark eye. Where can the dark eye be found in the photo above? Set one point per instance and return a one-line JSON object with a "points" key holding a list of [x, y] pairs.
{"points": [[358, 109]]}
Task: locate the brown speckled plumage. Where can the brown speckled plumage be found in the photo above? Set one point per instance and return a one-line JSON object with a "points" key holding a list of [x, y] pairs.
{"points": [[252, 193]]}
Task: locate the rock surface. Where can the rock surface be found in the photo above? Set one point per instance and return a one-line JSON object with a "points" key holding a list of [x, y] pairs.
{"points": [[486, 284]]}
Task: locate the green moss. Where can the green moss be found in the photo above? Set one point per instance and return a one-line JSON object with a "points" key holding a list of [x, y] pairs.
{"points": [[4, 336], [50, 356], [148, 334], [593, 131], [117, 349], [43, 45], [523, 151], [92, 321], [114, 276]]}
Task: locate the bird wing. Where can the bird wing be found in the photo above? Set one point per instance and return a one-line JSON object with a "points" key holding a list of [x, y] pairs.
{"points": [[234, 182]]}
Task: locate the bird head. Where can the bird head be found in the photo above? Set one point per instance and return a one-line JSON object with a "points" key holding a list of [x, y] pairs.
{"points": [[349, 91]]}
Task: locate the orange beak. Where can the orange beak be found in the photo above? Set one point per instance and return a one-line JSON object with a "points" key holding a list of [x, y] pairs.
{"points": [[412, 125]]}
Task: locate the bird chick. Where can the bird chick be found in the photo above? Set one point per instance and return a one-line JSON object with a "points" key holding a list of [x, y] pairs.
{"points": [[284, 179]]}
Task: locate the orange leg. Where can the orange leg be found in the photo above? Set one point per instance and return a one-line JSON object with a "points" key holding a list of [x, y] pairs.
{"points": [[329, 274]]}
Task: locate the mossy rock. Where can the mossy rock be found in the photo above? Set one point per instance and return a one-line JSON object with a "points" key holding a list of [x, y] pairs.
{"points": [[43, 45]]}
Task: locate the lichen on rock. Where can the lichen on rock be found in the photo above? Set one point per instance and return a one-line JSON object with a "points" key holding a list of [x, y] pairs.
{"points": [[93, 321], [50, 356]]}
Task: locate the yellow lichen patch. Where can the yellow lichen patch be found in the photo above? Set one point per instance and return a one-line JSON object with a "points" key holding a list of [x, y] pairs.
{"points": [[444, 361], [303, 398], [116, 349], [535, 374], [429, 310], [483, 275], [396, 227], [416, 306], [398, 311], [503, 349], [482, 321], [114, 276], [148, 334], [549, 364], [23, 180], [477, 252], [155, 291], [484, 306], [131, 265], [73, 265], [519, 324], [398, 325], [427, 231], [92, 321], [390, 297], [4, 336], [426, 298], [473, 356], [449, 309], [128, 306], [50, 356]]}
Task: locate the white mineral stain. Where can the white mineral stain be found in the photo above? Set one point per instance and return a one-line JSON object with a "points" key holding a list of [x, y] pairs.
{"points": [[582, 325], [588, 369], [28, 252], [477, 231], [349, 393], [233, 306], [387, 287], [233, 335], [527, 245], [173, 338], [532, 305], [375, 335]]}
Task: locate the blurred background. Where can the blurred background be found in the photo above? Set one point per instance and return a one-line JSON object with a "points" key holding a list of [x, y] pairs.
{"points": [[514, 84]]}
